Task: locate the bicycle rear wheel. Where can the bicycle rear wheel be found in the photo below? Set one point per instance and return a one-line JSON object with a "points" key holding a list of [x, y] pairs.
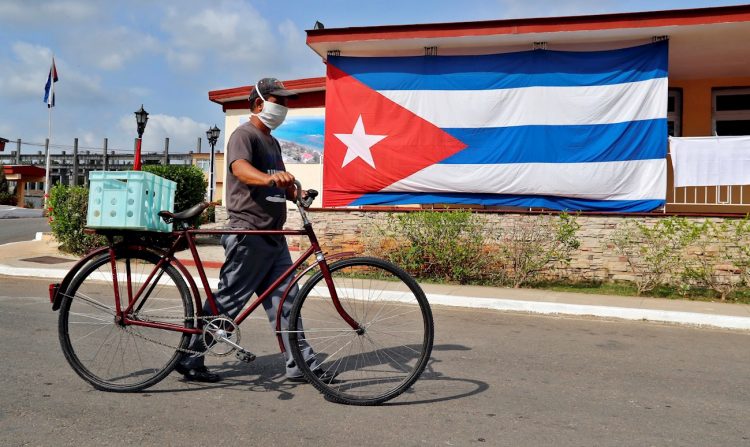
{"points": [[387, 355], [116, 357]]}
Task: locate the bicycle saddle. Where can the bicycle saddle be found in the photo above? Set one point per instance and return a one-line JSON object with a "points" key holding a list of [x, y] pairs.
{"points": [[183, 215]]}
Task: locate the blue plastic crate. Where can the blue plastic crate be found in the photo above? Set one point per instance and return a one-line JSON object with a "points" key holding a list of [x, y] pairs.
{"points": [[129, 200]]}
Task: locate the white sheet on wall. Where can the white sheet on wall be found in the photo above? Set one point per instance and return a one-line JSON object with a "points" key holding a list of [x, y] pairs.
{"points": [[710, 161]]}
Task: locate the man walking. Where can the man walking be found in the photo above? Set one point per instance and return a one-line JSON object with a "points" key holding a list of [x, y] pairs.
{"points": [[257, 189]]}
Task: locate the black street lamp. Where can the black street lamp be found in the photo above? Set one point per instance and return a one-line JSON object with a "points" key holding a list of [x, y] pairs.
{"points": [[141, 118], [213, 136]]}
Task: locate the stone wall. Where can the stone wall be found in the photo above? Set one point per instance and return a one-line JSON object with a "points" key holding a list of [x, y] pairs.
{"points": [[595, 259]]}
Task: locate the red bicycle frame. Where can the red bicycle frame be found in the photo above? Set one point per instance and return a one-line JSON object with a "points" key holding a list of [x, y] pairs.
{"points": [[189, 236]]}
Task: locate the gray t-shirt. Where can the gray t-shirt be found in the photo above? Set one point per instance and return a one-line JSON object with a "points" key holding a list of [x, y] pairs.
{"points": [[249, 207]]}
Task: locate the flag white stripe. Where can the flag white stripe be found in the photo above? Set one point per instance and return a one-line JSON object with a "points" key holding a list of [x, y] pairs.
{"points": [[616, 180], [51, 99], [601, 104]]}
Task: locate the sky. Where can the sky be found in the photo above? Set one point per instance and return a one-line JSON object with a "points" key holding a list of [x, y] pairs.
{"points": [[112, 56]]}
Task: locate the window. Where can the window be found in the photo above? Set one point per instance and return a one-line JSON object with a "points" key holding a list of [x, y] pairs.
{"points": [[731, 111], [204, 165], [674, 112]]}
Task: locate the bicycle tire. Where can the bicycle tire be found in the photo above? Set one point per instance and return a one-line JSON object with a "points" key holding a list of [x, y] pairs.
{"points": [[118, 358], [382, 361]]}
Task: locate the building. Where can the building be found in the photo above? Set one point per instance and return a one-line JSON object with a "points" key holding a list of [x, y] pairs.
{"points": [[311, 101], [24, 180], [203, 161], [73, 168], [709, 78]]}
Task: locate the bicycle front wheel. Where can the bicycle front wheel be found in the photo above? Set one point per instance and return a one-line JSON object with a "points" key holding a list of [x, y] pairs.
{"points": [[113, 356], [391, 349]]}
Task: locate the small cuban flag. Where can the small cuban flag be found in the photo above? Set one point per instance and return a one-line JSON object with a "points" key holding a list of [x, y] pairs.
{"points": [[49, 88]]}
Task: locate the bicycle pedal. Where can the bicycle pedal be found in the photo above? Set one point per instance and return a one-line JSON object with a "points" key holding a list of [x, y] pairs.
{"points": [[245, 356]]}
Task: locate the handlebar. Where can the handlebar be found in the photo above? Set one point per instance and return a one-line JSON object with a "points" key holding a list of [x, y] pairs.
{"points": [[305, 202], [308, 198]]}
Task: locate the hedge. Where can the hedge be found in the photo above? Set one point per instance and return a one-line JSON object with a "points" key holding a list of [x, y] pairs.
{"points": [[68, 205]]}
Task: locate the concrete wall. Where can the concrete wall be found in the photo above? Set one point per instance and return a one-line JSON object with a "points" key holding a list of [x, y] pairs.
{"points": [[594, 260]]}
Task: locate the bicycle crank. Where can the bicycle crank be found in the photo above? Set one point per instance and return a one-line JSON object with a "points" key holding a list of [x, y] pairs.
{"points": [[221, 336]]}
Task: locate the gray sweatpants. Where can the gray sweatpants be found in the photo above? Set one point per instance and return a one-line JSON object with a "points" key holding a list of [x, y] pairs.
{"points": [[252, 264]]}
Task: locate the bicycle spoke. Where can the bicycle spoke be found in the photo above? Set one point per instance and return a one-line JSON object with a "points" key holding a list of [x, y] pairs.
{"points": [[388, 353], [127, 358]]}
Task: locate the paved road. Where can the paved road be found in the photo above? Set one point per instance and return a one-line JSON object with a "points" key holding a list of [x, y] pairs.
{"points": [[495, 379], [22, 229], [7, 212]]}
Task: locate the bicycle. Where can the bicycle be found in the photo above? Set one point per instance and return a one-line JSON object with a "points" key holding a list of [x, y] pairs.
{"points": [[129, 309]]}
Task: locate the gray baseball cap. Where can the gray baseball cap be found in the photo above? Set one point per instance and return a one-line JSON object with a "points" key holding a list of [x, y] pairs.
{"points": [[271, 86]]}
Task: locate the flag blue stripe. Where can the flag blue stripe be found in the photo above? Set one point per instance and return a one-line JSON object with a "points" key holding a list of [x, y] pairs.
{"points": [[634, 140], [549, 202], [47, 87], [510, 70]]}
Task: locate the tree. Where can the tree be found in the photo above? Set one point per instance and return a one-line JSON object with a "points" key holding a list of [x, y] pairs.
{"points": [[6, 197]]}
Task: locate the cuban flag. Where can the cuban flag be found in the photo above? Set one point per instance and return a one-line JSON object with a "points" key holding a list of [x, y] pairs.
{"points": [[553, 129], [49, 88]]}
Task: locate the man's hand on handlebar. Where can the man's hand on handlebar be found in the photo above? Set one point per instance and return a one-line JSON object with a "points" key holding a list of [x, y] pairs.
{"points": [[305, 198], [282, 179]]}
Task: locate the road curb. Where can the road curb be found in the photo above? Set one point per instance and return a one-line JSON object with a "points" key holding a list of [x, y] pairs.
{"points": [[624, 313], [534, 307]]}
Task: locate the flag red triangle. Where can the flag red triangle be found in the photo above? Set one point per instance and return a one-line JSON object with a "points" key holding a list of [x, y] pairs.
{"points": [[410, 143]]}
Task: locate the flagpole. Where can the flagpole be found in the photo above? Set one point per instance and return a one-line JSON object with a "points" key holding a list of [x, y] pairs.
{"points": [[51, 100], [47, 164]]}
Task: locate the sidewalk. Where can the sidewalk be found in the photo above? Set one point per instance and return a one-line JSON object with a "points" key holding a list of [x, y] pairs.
{"points": [[40, 258]]}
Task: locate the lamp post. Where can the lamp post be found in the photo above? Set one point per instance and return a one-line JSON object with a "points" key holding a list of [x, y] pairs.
{"points": [[213, 136], [141, 118]]}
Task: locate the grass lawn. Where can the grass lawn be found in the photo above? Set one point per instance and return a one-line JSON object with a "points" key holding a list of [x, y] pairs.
{"points": [[740, 295]]}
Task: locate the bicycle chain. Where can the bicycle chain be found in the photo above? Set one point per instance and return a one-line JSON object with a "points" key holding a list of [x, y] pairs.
{"points": [[176, 348]]}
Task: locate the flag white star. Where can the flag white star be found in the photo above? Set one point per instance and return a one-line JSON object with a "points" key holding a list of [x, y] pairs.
{"points": [[359, 144]]}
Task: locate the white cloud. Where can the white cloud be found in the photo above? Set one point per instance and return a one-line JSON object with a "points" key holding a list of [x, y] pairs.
{"points": [[184, 59], [82, 29], [5, 130], [182, 131], [225, 32], [25, 76], [298, 61], [22, 78], [140, 92], [545, 8], [234, 38], [114, 48], [40, 12]]}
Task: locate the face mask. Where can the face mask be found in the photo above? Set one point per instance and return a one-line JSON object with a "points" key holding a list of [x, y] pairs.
{"points": [[272, 114]]}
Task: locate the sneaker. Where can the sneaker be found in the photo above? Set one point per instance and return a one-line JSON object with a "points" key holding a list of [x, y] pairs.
{"points": [[324, 376], [197, 374]]}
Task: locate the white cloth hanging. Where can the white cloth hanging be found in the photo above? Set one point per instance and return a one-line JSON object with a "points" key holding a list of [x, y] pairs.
{"points": [[710, 161]]}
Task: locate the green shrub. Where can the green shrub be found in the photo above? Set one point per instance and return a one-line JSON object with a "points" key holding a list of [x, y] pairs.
{"points": [[534, 244], [739, 238], [436, 245], [191, 184], [712, 261], [69, 205], [654, 253], [67, 213], [6, 196]]}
